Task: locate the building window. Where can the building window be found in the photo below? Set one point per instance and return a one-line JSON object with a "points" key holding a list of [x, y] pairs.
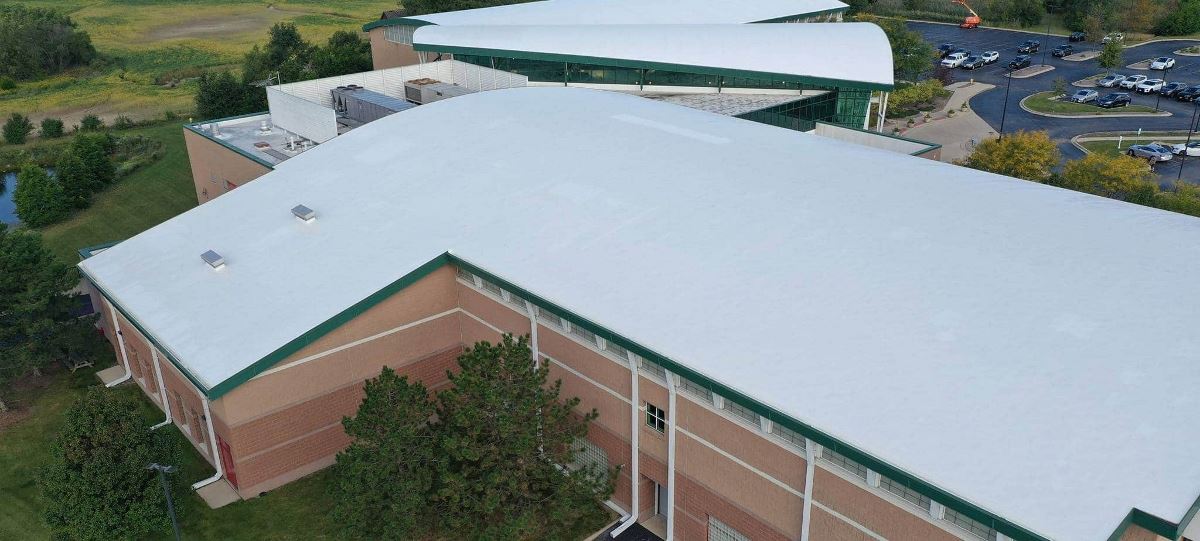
{"points": [[695, 389], [492, 288], [617, 350], [844, 463], [656, 418], [905, 493], [654, 369], [741, 412], [589, 455], [972, 526], [517, 302], [466, 275], [549, 318], [719, 531], [788, 435], [584, 334]]}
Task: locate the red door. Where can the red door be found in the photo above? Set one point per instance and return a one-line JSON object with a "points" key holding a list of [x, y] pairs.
{"points": [[227, 461]]}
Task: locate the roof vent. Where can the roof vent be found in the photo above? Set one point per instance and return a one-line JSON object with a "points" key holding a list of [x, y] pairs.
{"points": [[304, 213], [213, 259]]}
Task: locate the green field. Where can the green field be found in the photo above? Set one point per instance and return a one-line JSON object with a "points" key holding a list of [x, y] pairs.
{"points": [[299, 510], [1042, 103], [153, 49]]}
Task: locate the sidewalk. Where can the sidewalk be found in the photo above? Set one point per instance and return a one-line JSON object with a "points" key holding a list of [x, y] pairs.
{"points": [[953, 133]]}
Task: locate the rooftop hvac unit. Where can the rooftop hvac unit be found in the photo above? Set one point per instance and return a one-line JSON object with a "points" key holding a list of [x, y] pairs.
{"points": [[362, 105], [430, 90]]}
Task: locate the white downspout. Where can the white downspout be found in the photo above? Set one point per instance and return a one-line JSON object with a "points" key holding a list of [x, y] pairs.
{"points": [[810, 458], [671, 456], [162, 391], [533, 339], [212, 439], [635, 428], [883, 110], [120, 344]]}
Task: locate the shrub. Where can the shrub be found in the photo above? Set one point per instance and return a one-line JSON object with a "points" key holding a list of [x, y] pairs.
{"points": [[39, 41], [1027, 155], [52, 128], [17, 129], [123, 122], [38, 197], [91, 123], [6, 83]]}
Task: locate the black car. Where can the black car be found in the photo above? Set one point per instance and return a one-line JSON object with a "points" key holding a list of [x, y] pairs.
{"points": [[1062, 50], [972, 62], [1116, 99], [945, 49], [1030, 46], [1019, 62], [1188, 94], [1077, 36], [1170, 89]]}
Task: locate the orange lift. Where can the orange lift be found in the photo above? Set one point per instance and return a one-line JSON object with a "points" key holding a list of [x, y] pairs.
{"points": [[971, 21]]}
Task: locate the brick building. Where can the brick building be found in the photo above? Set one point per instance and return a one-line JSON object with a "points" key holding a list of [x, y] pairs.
{"points": [[787, 337]]}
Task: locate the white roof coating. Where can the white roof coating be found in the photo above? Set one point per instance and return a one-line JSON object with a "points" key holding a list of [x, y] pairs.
{"points": [[842, 51], [633, 12], [1028, 348]]}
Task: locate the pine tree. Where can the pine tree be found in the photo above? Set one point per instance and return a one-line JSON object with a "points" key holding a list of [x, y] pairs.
{"points": [[96, 485], [38, 197], [76, 179], [17, 129], [385, 478]]}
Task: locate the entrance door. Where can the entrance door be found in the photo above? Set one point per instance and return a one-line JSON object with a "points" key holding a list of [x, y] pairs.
{"points": [[660, 500], [227, 461]]}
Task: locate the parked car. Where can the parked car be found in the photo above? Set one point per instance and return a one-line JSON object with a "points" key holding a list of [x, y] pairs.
{"points": [[1193, 148], [1110, 80], [1150, 85], [1113, 36], [990, 56], [1084, 96], [1062, 50], [1132, 81], [972, 62], [954, 60], [1019, 62], [1077, 36], [945, 49], [1188, 94], [1162, 63], [1153, 151], [1115, 99], [1030, 46], [1170, 89]]}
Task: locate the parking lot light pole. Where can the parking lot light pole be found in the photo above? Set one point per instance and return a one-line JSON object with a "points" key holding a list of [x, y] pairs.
{"points": [[1047, 38], [1158, 95], [162, 478], [1004, 111], [1191, 129]]}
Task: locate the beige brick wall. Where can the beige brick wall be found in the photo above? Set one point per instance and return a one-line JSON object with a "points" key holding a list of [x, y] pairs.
{"points": [[385, 54], [213, 165]]}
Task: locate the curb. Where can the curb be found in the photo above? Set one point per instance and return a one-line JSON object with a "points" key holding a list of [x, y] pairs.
{"points": [[1114, 115], [1032, 74]]}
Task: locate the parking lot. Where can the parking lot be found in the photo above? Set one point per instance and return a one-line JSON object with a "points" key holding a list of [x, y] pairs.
{"points": [[990, 105]]}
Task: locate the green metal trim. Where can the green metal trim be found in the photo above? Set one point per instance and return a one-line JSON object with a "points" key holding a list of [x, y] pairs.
{"points": [[1122, 528], [1188, 517], [803, 15], [398, 21], [639, 64], [312, 335], [1155, 524], [141, 329], [1008, 528], [930, 147], [89, 251], [193, 127]]}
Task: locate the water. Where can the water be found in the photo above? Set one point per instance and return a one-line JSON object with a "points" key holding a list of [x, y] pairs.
{"points": [[8, 211]]}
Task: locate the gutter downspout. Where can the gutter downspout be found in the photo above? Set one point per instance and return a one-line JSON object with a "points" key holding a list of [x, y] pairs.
{"points": [[810, 458], [634, 402], [120, 344], [671, 456], [533, 339], [162, 390], [883, 111], [212, 440]]}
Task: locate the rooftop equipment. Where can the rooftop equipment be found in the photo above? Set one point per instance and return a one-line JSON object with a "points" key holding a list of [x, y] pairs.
{"points": [[304, 213], [428, 90], [362, 105], [213, 259]]}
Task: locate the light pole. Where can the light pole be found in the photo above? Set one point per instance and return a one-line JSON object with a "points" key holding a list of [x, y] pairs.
{"points": [[1004, 111], [1047, 38], [1191, 128], [1158, 95], [162, 478]]}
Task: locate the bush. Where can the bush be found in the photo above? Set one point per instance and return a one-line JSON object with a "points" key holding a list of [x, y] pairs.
{"points": [[1184, 20], [123, 122], [91, 123], [39, 41], [17, 129], [917, 94], [38, 197], [6, 83], [52, 128]]}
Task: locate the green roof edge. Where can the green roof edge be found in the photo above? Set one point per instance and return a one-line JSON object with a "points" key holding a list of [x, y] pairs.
{"points": [[415, 20], [88, 251]]}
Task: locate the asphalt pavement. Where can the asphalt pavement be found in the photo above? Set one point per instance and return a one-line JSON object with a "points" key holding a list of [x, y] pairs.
{"points": [[990, 105]]}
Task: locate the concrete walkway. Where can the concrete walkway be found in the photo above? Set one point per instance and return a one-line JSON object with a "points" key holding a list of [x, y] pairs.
{"points": [[111, 374], [218, 494], [953, 133]]}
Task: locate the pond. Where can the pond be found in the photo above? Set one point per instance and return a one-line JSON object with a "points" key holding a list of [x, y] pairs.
{"points": [[8, 211]]}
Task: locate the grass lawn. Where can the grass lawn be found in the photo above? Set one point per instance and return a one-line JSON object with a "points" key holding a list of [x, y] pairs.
{"points": [[1110, 147], [1042, 102], [133, 204], [299, 510], [149, 43]]}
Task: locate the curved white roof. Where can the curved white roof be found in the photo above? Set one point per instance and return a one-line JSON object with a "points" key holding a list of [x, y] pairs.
{"points": [[633, 12], [1028, 348], [856, 52]]}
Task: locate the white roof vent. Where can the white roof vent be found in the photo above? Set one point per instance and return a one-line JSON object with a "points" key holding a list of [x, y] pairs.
{"points": [[304, 213], [213, 259]]}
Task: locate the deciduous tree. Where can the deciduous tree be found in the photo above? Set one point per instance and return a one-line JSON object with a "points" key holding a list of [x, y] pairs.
{"points": [[96, 485], [1027, 155], [345, 52], [38, 197], [1111, 55], [1118, 177], [17, 129], [422, 7]]}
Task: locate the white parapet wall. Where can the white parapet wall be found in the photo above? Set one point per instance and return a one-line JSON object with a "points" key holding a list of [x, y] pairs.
{"points": [[306, 107], [873, 139]]}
